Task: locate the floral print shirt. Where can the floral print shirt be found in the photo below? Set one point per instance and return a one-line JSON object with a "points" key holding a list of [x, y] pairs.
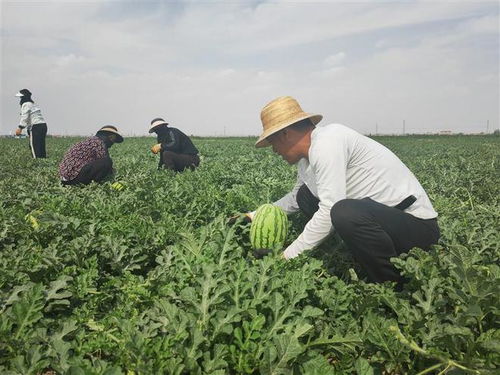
{"points": [[81, 154]]}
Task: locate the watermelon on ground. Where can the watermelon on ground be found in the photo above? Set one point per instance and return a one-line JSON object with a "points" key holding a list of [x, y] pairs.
{"points": [[119, 186], [269, 227]]}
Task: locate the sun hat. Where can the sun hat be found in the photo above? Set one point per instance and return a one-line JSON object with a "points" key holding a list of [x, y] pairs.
{"points": [[23, 92], [111, 129], [155, 123], [280, 113]]}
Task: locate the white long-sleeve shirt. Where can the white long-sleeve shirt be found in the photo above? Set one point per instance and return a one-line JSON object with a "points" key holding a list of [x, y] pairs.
{"points": [[30, 115], [343, 163]]}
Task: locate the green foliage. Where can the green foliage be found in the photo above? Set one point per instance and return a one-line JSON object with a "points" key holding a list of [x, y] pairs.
{"points": [[149, 279]]}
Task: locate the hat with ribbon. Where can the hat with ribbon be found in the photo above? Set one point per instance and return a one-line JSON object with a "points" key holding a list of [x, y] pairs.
{"points": [[279, 114], [111, 129], [23, 92], [155, 123]]}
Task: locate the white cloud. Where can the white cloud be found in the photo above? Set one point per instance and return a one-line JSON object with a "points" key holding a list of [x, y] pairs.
{"points": [[69, 60], [334, 60]]}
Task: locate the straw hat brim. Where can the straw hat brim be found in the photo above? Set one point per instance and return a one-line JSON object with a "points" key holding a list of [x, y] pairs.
{"points": [[263, 142], [119, 139]]}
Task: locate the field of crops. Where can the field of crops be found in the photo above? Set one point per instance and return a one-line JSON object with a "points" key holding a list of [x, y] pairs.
{"points": [[151, 279]]}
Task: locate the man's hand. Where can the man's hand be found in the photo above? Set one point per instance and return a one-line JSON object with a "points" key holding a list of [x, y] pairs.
{"points": [[156, 148], [19, 131], [246, 219]]}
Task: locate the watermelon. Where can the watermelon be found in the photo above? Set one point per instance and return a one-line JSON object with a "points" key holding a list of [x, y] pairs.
{"points": [[117, 186], [269, 227]]}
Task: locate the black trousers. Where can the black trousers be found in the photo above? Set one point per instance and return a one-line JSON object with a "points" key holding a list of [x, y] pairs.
{"points": [[374, 232], [37, 140], [178, 162], [99, 170]]}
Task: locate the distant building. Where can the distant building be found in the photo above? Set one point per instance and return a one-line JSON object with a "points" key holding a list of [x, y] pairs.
{"points": [[444, 132]]}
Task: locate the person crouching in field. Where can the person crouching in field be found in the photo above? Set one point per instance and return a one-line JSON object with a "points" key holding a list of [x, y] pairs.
{"points": [[89, 160], [351, 184], [177, 151], [33, 121]]}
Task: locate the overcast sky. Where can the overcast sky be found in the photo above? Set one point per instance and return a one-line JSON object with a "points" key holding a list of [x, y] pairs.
{"points": [[208, 67]]}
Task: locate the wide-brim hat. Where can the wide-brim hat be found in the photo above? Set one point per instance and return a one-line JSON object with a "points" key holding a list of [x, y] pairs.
{"points": [[156, 123], [111, 129], [279, 114]]}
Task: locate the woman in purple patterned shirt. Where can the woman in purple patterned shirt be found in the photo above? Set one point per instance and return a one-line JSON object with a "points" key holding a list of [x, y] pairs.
{"points": [[89, 160]]}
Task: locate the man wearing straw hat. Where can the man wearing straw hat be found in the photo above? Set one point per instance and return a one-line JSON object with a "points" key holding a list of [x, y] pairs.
{"points": [[350, 184], [177, 151], [89, 160]]}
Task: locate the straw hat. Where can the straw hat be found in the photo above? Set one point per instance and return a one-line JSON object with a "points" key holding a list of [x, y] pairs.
{"points": [[111, 129], [155, 123], [280, 113]]}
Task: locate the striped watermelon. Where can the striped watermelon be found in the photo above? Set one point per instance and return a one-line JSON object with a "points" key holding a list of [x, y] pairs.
{"points": [[269, 227], [118, 186]]}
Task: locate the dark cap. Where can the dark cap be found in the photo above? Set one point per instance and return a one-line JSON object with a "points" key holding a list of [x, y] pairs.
{"points": [[24, 92]]}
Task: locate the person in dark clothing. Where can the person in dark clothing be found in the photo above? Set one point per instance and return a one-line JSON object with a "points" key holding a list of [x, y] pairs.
{"points": [[34, 123], [177, 151], [89, 160]]}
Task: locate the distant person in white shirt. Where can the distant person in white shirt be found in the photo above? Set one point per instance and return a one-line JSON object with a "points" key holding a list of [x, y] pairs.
{"points": [[350, 184], [32, 120]]}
